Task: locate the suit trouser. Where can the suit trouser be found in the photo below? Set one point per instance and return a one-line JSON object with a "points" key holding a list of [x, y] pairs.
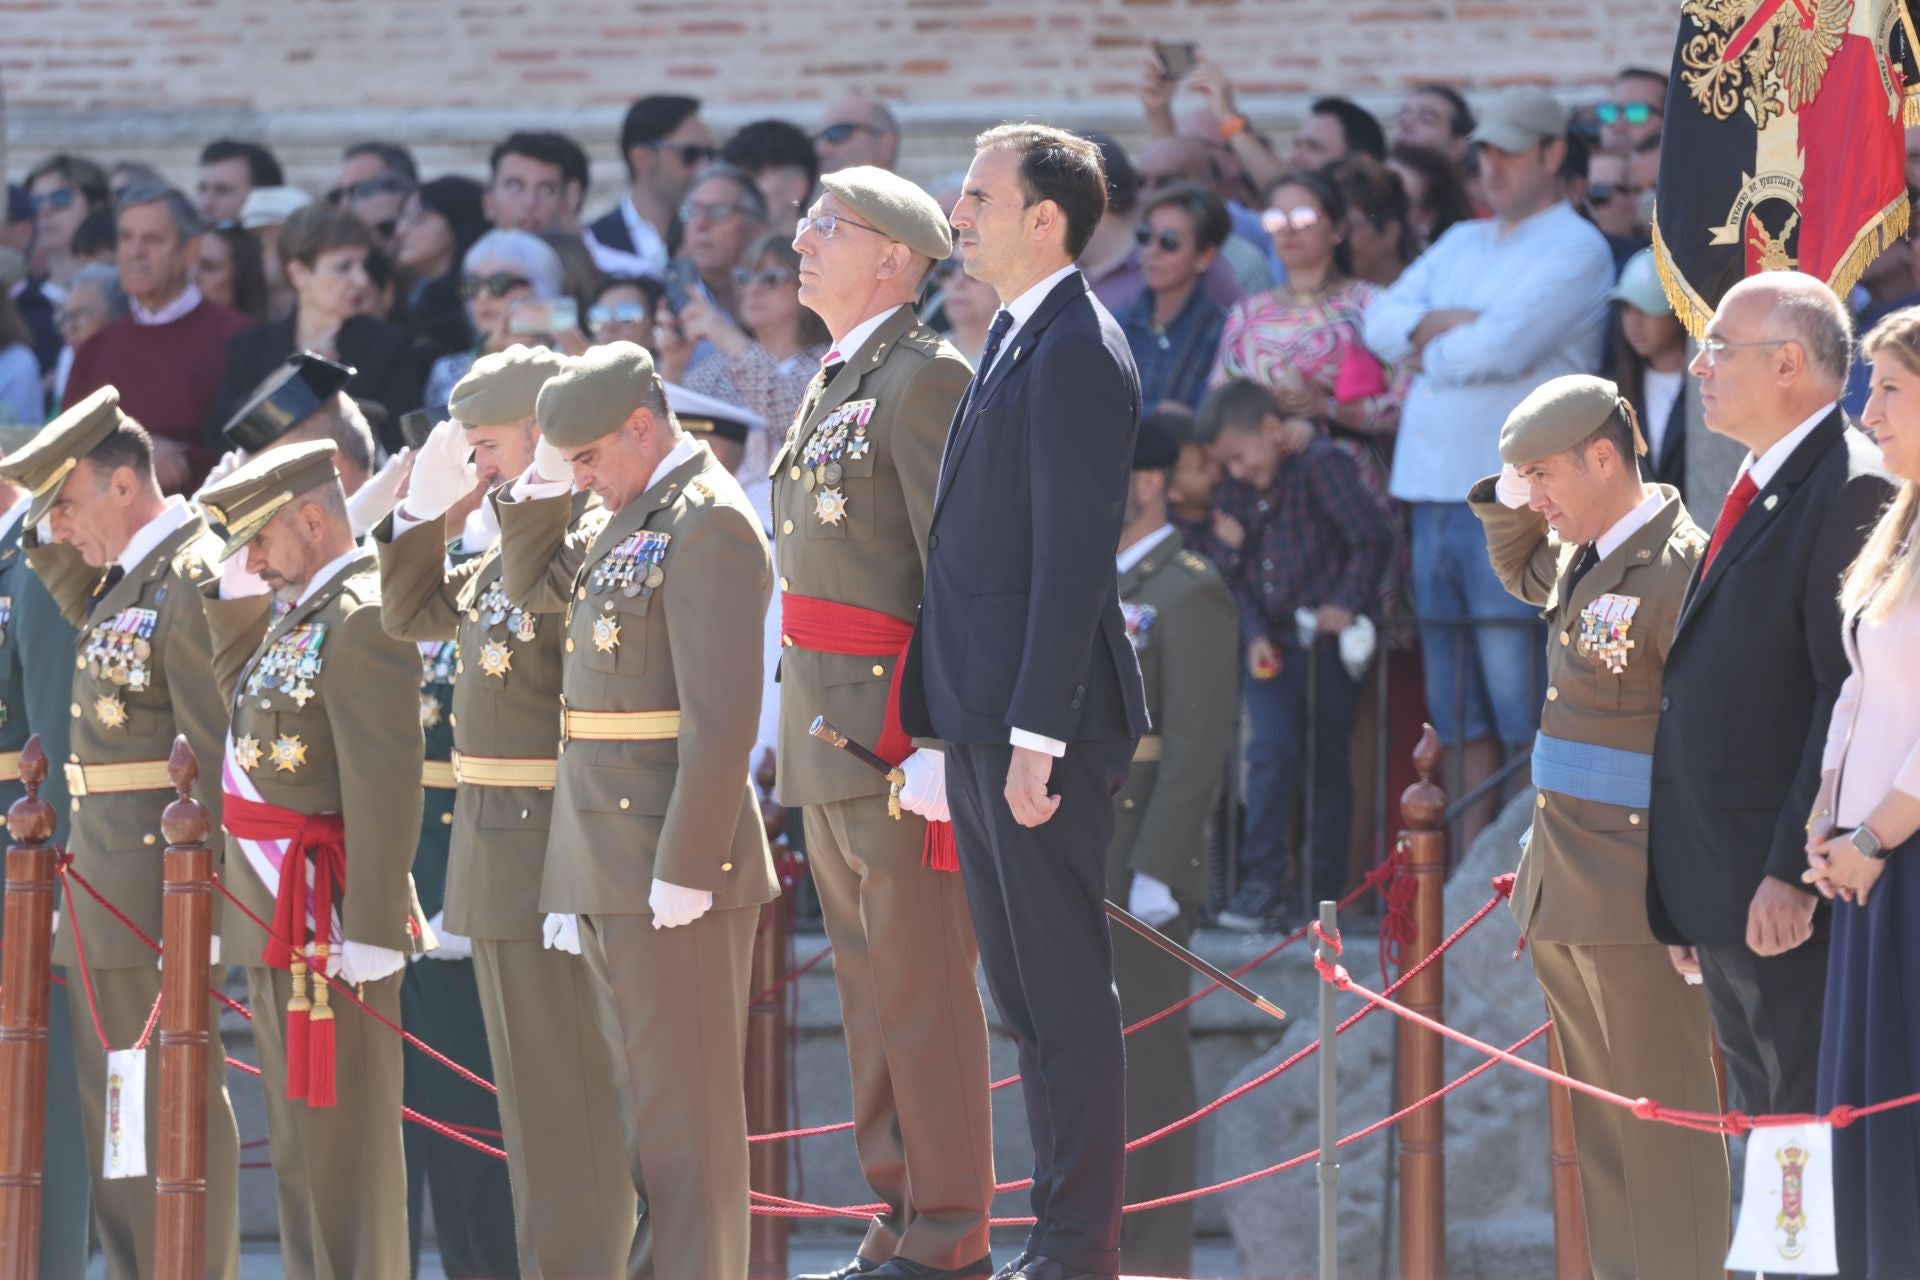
{"points": [[574, 1208], [1037, 896], [903, 959], [66, 1200], [473, 1220], [341, 1171], [1656, 1196], [1767, 1011], [123, 1207], [672, 1005], [1160, 1090]]}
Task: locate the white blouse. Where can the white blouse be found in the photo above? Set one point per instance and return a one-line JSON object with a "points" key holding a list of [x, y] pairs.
{"points": [[1874, 738]]}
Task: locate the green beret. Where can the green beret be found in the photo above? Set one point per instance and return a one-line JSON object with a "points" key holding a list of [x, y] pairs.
{"points": [[41, 466], [248, 498], [895, 207], [1558, 415], [501, 388], [593, 394]]}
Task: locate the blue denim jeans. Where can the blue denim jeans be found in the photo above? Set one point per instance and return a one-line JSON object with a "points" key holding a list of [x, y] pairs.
{"points": [[1277, 764], [1481, 680]]}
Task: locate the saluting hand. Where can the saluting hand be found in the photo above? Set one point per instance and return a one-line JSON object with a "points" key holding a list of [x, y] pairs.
{"points": [[1026, 790]]}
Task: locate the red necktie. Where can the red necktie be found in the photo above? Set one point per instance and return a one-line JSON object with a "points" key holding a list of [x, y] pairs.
{"points": [[1739, 498]]}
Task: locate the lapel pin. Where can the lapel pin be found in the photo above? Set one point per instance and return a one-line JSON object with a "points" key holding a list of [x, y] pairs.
{"points": [[1773, 500], [1016, 353]]}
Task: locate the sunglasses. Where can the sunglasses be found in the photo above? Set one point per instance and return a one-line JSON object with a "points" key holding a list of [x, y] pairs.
{"points": [[1169, 241], [692, 154], [1604, 192], [1304, 218], [60, 199], [497, 285], [835, 134], [1631, 112], [765, 277], [620, 313], [387, 184]]}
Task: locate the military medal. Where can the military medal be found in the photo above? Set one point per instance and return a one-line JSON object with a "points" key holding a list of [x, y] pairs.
{"points": [[110, 711], [429, 711], [288, 752], [246, 753], [606, 634], [291, 663], [1604, 625], [840, 436], [1139, 619], [633, 568], [301, 693], [496, 659], [523, 626], [830, 505]]}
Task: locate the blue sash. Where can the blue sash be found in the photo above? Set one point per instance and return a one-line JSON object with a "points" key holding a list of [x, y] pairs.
{"points": [[1604, 775]]}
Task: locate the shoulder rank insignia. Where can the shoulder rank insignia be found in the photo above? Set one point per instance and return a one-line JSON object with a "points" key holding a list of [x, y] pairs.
{"points": [[1604, 625], [288, 752], [634, 567], [246, 752], [1139, 619]]}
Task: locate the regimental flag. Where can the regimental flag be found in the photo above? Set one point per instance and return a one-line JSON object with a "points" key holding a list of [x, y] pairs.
{"points": [[1784, 143]]}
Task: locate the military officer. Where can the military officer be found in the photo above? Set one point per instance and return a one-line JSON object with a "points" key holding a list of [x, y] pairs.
{"points": [[34, 636], [1184, 627], [573, 1199], [124, 563], [657, 843], [1573, 529], [852, 497], [322, 783]]}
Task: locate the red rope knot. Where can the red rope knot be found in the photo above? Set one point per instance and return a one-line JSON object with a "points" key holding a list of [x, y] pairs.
{"points": [[1503, 885], [1646, 1108], [62, 859], [1739, 1122], [1842, 1116], [1398, 931], [1334, 941], [1331, 972]]}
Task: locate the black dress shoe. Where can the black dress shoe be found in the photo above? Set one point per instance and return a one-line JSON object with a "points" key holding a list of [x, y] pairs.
{"points": [[908, 1269], [858, 1267], [1044, 1268]]}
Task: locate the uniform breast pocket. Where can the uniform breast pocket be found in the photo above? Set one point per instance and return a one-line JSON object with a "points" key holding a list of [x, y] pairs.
{"points": [[515, 810], [841, 507], [603, 788], [611, 632], [838, 670]]}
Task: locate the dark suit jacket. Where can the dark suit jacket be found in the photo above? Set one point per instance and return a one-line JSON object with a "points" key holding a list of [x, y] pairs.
{"points": [[1668, 464], [1020, 626], [390, 365], [1756, 664]]}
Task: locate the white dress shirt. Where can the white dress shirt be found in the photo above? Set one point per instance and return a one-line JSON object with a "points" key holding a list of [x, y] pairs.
{"points": [[189, 298], [14, 513], [175, 513], [1765, 467], [688, 446], [1874, 736], [845, 346], [1134, 554], [328, 572], [649, 256], [1629, 524]]}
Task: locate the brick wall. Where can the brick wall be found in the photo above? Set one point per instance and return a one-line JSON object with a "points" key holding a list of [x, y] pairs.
{"points": [[154, 78]]}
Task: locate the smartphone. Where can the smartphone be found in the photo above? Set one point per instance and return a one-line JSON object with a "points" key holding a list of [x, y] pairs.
{"points": [[544, 317], [415, 426], [680, 280], [1176, 57]]}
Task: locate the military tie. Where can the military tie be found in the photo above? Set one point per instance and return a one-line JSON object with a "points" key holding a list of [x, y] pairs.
{"points": [[1588, 557], [108, 581]]}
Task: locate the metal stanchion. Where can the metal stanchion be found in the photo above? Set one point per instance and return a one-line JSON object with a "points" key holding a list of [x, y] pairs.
{"points": [[1329, 1168], [25, 990], [1423, 1159], [1571, 1258], [180, 1176]]}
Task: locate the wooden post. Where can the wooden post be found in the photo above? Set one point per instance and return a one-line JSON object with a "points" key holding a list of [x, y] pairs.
{"points": [[25, 990], [1423, 1157], [1571, 1258], [180, 1178], [767, 1086]]}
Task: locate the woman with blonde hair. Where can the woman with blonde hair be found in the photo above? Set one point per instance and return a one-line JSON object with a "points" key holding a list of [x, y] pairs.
{"points": [[1862, 850]]}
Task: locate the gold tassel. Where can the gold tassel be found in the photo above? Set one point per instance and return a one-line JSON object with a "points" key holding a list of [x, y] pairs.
{"points": [[896, 779], [1688, 307], [1879, 235]]}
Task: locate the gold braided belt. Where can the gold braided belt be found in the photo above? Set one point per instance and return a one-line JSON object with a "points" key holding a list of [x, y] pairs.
{"points": [[503, 771], [107, 779], [618, 726]]}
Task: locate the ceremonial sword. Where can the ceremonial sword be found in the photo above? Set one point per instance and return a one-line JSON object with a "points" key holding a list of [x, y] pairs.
{"points": [[823, 729]]}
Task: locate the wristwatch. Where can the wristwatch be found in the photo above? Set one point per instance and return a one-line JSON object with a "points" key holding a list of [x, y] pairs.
{"points": [[1867, 844]]}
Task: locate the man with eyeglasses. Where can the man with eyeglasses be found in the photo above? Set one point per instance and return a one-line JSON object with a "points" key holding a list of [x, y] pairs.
{"points": [[721, 217], [1634, 110], [664, 142], [857, 131], [538, 181], [852, 500]]}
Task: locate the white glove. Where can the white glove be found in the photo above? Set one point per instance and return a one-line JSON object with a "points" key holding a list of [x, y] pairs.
{"points": [[230, 462], [452, 945], [561, 932], [44, 531], [674, 906], [1151, 900], [358, 963], [237, 582], [551, 465], [1512, 491], [372, 501], [532, 486], [925, 790], [443, 473]]}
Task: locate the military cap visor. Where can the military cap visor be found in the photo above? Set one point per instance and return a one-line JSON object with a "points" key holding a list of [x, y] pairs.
{"points": [[705, 415], [42, 465], [253, 495], [289, 396]]}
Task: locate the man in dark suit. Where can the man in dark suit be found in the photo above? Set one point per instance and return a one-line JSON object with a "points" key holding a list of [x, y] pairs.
{"points": [[1021, 664], [1755, 666]]}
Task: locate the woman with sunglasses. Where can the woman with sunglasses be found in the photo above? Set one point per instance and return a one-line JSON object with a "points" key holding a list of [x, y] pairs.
{"points": [[622, 310], [764, 363], [504, 271], [325, 249], [1173, 327]]}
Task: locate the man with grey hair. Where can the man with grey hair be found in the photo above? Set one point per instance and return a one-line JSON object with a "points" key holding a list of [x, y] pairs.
{"points": [[1754, 668], [166, 356], [94, 300], [857, 131]]}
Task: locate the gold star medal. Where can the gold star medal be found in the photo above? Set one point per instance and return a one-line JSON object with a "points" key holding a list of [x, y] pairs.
{"points": [[606, 635], [429, 711], [246, 753], [109, 711], [496, 659], [830, 505], [288, 753]]}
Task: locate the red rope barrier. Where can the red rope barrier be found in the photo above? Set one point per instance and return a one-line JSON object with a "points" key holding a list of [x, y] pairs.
{"points": [[793, 975]]}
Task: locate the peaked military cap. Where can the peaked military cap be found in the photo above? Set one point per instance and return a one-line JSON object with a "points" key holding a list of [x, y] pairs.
{"points": [[289, 396], [41, 466], [247, 499]]}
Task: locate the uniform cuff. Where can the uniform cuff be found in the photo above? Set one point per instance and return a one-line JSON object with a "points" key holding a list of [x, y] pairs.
{"points": [[1036, 742]]}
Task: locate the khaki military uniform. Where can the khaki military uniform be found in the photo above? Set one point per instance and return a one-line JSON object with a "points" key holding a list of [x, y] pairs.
{"points": [[661, 614], [1656, 1196], [142, 673], [903, 947], [330, 742], [1184, 628], [574, 1204]]}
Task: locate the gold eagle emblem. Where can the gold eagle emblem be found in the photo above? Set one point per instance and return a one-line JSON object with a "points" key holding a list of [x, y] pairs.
{"points": [[1765, 57]]}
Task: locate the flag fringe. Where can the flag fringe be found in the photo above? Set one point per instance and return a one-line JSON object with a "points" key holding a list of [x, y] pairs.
{"points": [[1688, 307]]}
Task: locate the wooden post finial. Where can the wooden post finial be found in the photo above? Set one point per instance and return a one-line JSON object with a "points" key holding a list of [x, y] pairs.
{"points": [[186, 821], [30, 819], [1423, 806]]}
